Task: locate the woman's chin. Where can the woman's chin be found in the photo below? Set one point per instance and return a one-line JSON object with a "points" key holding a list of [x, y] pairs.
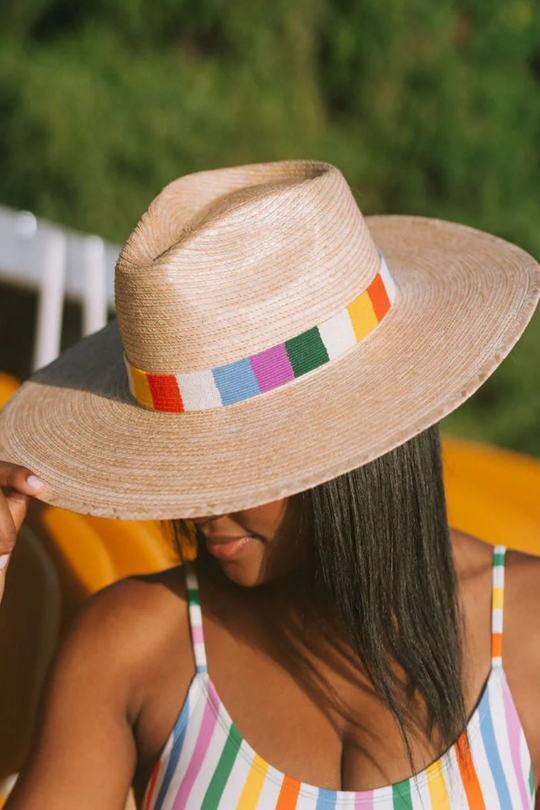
{"points": [[247, 573]]}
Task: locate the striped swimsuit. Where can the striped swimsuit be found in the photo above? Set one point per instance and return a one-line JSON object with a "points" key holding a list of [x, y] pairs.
{"points": [[207, 764]]}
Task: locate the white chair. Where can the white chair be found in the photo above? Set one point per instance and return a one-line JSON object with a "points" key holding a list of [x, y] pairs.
{"points": [[59, 264]]}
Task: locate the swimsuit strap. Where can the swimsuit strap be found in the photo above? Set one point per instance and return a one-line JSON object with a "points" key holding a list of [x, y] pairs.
{"points": [[497, 603], [195, 617]]}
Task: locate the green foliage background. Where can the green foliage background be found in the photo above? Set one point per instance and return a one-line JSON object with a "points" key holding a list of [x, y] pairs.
{"points": [[427, 107]]}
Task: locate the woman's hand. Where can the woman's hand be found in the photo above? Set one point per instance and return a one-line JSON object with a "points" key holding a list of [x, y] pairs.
{"points": [[17, 485]]}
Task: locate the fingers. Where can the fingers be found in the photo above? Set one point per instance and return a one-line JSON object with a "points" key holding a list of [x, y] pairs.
{"points": [[20, 484], [19, 478]]}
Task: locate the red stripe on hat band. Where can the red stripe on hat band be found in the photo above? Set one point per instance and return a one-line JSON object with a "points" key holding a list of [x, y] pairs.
{"points": [[379, 297], [165, 392]]}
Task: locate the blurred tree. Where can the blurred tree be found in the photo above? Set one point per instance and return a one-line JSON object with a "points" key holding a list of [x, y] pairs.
{"points": [[428, 108]]}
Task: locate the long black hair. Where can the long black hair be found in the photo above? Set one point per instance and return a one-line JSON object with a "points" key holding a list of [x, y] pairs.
{"points": [[379, 557]]}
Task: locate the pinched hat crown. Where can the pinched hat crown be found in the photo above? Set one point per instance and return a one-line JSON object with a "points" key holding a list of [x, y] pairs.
{"points": [[240, 280]]}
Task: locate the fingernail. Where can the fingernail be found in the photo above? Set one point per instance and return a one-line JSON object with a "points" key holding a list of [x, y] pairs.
{"points": [[34, 482], [4, 559]]}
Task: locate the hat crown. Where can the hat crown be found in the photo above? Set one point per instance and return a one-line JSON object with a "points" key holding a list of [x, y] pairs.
{"points": [[228, 263]]}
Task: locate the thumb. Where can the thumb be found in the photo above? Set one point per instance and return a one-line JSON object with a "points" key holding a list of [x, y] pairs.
{"points": [[2, 583], [18, 507], [4, 562]]}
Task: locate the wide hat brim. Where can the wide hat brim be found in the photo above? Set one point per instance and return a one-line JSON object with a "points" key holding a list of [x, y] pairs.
{"points": [[463, 299]]}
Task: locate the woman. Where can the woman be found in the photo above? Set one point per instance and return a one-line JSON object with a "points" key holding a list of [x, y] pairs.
{"points": [[276, 388]]}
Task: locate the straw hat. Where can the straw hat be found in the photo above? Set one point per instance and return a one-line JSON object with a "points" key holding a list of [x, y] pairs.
{"points": [[269, 338]]}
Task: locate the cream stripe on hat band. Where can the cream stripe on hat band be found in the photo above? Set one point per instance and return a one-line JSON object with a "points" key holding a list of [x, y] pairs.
{"points": [[272, 368]]}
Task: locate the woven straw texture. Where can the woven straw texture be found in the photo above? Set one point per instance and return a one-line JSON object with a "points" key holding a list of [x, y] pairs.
{"points": [[226, 264]]}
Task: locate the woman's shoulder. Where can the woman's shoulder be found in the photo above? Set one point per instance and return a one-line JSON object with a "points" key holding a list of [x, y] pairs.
{"points": [[137, 621], [521, 621], [474, 559], [135, 603]]}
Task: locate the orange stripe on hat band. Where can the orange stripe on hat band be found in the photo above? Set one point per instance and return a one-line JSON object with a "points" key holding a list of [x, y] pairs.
{"points": [[273, 367]]}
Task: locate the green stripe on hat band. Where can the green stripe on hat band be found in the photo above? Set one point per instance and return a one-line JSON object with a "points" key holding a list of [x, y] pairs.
{"points": [[272, 368]]}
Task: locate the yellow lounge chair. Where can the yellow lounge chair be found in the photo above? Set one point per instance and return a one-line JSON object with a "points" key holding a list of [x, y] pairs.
{"points": [[8, 386], [493, 494]]}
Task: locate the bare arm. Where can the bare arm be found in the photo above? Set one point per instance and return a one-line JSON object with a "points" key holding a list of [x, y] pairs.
{"points": [[83, 755], [521, 647], [84, 751]]}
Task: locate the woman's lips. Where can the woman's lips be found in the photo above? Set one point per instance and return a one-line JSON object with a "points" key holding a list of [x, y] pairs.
{"points": [[226, 548]]}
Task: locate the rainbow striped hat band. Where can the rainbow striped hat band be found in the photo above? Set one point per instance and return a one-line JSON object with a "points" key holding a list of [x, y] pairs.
{"points": [[273, 367]]}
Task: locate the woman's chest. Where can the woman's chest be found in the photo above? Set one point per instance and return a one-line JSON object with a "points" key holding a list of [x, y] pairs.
{"points": [[316, 721]]}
